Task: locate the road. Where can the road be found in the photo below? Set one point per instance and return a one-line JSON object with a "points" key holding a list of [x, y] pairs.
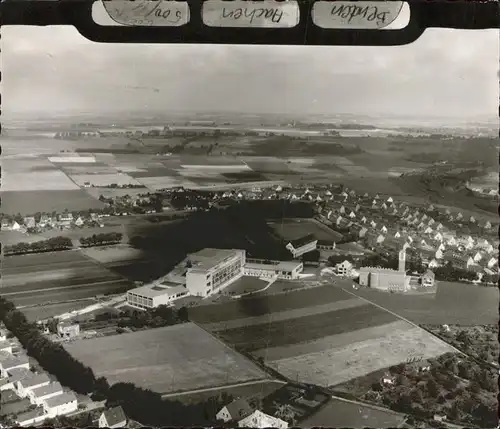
{"points": [[227, 386]]}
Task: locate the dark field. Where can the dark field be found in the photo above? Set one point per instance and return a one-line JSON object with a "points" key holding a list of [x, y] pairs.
{"points": [[307, 328], [342, 414], [57, 276], [50, 310], [453, 303], [258, 306], [30, 202]]}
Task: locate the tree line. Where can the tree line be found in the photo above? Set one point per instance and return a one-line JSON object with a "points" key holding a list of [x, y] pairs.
{"points": [[101, 239], [49, 245], [142, 405]]}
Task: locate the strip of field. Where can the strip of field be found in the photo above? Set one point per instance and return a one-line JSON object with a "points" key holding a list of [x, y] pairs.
{"points": [[29, 202], [175, 358], [340, 364], [109, 254], [259, 306], [283, 315], [54, 180], [342, 413], [329, 342], [119, 179], [50, 310], [291, 229], [155, 183], [306, 328]]}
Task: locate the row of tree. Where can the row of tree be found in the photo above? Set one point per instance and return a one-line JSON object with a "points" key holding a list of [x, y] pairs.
{"points": [[101, 239], [139, 404], [49, 245]]}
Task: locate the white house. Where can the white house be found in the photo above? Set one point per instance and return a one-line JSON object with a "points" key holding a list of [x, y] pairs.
{"points": [[113, 418], [344, 268], [388, 379], [383, 229], [79, 221], [487, 225], [452, 241], [492, 262], [30, 418], [342, 210], [258, 419], [362, 232], [434, 264], [459, 216], [384, 206], [472, 219], [39, 394], [438, 254], [420, 225], [236, 410], [428, 230], [13, 362], [339, 220], [380, 239], [6, 346], [438, 236], [373, 224], [390, 200], [363, 219], [24, 386], [14, 375], [439, 226], [477, 257], [431, 222], [442, 247], [424, 217], [397, 235], [60, 405], [352, 215]]}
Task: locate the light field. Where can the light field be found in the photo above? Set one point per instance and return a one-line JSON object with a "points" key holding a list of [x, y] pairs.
{"points": [[338, 364], [120, 179], [155, 183], [175, 358]]}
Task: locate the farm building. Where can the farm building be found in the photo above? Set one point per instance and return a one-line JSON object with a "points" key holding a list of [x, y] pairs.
{"points": [[68, 330], [60, 405], [289, 270], [303, 245], [236, 410], [113, 418], [258, 419]]}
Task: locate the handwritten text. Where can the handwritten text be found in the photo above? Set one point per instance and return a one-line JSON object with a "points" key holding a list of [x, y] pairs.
{"points": [[272, 14], [369, 13]]}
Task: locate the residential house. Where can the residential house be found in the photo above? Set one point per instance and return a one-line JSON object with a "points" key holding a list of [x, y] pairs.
{"points": [[459, 216], [45, 221], [390, 200], [66, 219], [472, 219], [431, 222], [438, 236], [357, 207], [397, 235], [236, 410], [383, 229], [39, 394], [79, 221], [352, 215], [362, 232], [380, 239], [342, 210], [477, 257], [60, 405], [6, 346], [439, 254], [428, 230], [384, 206], [428, 278], [434, 263], [344, 268], [68, 329], [373, 224], [395, 211], [492, 262], [13, 362], [23, 387], [29, 222], [30, 418], [258, 419], [487, 225], [388, 379], [339, 220], [363, 219], [113, 418], [13, 376], [439, 226]]}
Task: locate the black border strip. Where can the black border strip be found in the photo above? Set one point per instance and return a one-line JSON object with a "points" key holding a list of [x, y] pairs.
{"points": [[458, 14]]}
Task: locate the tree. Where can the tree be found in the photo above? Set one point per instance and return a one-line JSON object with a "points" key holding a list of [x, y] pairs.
{"points": [[432, 388]]}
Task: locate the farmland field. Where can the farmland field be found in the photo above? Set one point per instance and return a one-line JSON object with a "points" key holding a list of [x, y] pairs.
{"points": [[120, 179], [291, 229], [30, 202], [56, 277], [176, 358], [50, 310], [341, 413], [155, 183], [453, 303], [321, 335]]}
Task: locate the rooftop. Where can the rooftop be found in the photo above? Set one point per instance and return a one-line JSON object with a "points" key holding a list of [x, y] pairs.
{"points": [[47, 390], [35, 380], [114, 416], [208, 258], [61, 399], [29, 415], [15, 361], [17, 374], [302, 241], [239, 409], [281, 266], [154, 290]]}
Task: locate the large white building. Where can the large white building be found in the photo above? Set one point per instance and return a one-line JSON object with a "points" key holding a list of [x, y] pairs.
{"points": [[59, 405], [303, 245], [200, 274], [288, 270]]}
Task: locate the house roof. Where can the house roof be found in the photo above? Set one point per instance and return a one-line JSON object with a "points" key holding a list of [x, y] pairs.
{"points": [[302, 241], [39, 392], [239, 409], [35, 380], [114, 416], [61, 399], [8, 396], [17, 374], [14, 361], [29, 415], [263, 420]]}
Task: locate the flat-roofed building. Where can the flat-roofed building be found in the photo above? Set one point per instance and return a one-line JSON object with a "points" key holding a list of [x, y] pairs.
{"points": [[211, 270], [152, 296], [289, 270]]}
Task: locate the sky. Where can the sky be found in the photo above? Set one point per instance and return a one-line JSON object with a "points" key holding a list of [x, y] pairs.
{"points": [[446, 73]]}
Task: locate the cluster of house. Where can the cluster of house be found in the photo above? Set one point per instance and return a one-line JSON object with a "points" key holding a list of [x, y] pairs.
{"points": [[46, 397], [61, 221], [240, 413], [436, 245]]}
